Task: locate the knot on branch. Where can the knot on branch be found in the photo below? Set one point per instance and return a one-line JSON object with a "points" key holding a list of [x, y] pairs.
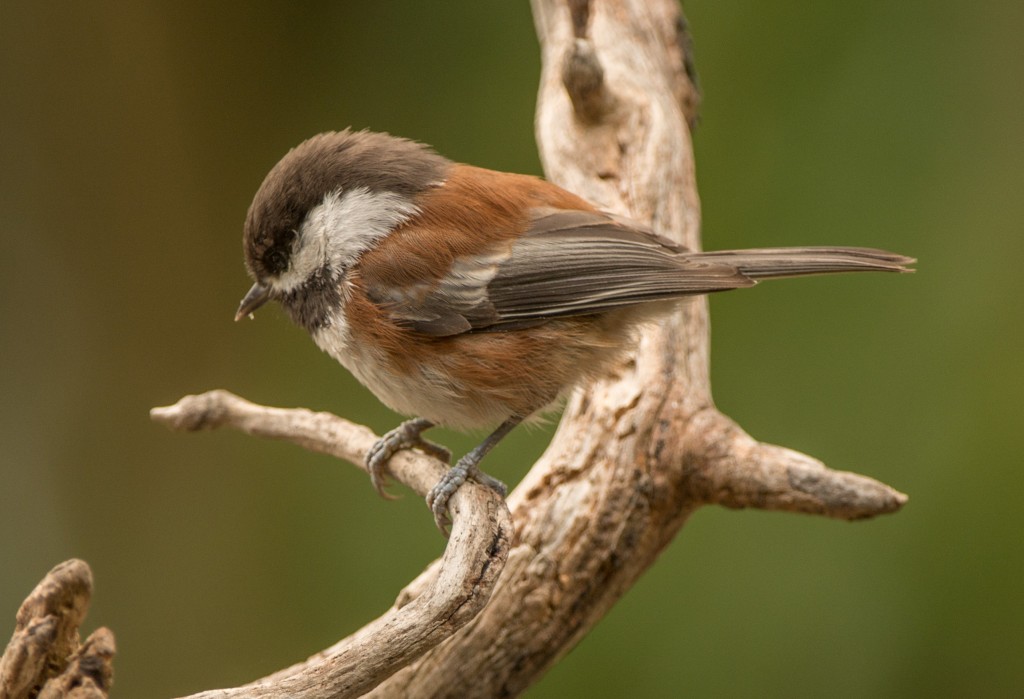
{"points": [[687, 87], [583, 77], [196, 412]]}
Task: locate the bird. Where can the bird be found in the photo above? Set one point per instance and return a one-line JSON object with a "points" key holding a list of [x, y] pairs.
{"points": [[471, 298]]}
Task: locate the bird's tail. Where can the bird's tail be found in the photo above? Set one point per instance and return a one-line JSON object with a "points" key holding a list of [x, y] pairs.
{"points": [[768, 263]]}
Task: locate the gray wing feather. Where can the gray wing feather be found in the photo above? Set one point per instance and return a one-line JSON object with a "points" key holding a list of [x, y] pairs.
{"points": [[567, 264]]}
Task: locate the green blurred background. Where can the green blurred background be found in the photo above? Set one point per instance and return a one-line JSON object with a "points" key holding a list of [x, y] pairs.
{"points": [[133, 137]]}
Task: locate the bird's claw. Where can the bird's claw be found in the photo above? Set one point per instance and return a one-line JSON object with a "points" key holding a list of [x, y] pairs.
{"points": [[408, 435], [440, 494]]}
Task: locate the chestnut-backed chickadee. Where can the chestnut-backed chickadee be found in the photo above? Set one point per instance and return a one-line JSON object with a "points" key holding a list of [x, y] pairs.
{"points": [[468, 297]]}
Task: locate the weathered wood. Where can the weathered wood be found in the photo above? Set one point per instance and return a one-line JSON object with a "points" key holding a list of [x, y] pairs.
{"points": [[44, 658]]}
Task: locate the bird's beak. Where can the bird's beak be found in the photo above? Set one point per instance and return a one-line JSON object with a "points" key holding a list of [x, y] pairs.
{"points": [[257, 296]]}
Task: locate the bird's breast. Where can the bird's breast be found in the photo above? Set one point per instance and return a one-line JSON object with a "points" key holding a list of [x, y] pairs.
{"points": [[410, 373]]}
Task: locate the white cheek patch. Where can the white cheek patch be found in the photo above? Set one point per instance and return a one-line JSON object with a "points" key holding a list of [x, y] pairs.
{"points": [[340, 229]]}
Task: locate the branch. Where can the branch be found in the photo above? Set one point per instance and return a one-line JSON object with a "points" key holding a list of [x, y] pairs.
{"points": [[460, 585], [769, 477], [318, 432], [44, 658]]}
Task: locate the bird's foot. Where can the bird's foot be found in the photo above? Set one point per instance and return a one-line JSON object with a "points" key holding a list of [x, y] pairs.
{"points": [[440, 494], [408, 435]]}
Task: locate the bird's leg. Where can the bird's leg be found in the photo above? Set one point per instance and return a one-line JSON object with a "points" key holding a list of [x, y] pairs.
{"points": [[408, 435], [467, 467]]}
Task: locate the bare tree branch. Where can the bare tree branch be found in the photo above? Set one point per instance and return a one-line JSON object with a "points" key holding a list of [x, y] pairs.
{"points": [[769, 477], [44, 658], [460, 586]]}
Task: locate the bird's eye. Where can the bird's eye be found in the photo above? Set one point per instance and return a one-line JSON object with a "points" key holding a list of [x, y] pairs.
{"points": [[276, 261]]}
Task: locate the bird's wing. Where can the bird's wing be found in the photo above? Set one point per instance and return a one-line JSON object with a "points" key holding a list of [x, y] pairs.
{"points": [[568, 263]]}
